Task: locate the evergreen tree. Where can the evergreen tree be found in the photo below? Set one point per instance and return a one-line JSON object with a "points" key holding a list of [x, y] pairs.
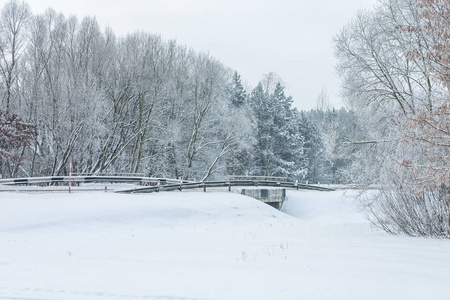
{"points": [[313, 149], [237, 92], [264, 132], [289, 142], [278, 149], [278, 95], [239, 162]]}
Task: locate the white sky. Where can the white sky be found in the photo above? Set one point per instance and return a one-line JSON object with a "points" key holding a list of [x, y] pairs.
{"points": [[292, 38]]}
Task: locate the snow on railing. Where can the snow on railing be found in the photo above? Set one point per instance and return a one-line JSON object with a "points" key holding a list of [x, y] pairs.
{"points": [[265, 178], [164, 184], [227, 184], [111, 174], [86, 179]]}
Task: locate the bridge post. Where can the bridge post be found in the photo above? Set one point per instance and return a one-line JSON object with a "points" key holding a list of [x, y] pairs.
{"points": [[229, 186], [204, 187], [70, 174]]}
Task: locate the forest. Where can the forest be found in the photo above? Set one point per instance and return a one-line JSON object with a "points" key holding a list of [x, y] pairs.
{"points": [[142, 104]]}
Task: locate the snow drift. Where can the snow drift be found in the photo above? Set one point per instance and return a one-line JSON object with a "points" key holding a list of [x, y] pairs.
{"points": [[195, 245]]}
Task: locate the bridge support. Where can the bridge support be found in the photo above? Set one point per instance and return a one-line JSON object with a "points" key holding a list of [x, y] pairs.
{"points": [[272, 197]]}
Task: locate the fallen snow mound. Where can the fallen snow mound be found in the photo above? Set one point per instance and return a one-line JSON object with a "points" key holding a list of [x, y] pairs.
{"points": [[195, 245]]}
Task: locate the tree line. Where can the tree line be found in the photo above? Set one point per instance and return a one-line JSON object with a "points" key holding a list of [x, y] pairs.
{"points": [[141, 104]]}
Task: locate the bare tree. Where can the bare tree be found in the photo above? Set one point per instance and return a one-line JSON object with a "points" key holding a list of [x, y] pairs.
{"points": [[394, 63], [323, 101], [13, 21]]}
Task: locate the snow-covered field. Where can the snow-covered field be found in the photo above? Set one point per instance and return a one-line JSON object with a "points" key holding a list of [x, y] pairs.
{"points": [[214, 245]]}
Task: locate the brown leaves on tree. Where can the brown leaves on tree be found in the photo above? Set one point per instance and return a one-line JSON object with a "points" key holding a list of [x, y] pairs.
{"points": [[428, 129], [15, 135], [436, 22]]}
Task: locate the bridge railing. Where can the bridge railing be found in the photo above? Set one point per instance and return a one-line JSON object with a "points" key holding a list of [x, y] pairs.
{"points": [[110, 174], [87, 179], [264, 178], [227, 184], [159, 184]]}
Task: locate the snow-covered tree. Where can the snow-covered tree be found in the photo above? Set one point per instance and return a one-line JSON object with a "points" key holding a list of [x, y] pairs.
{"points": [[14, 19], [313, 149], [15, 135], [394, 63], [238, 95], [278, 150]]}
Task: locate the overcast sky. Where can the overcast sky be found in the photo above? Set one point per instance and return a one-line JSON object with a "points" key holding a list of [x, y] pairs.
{"points": [[292, 38]]}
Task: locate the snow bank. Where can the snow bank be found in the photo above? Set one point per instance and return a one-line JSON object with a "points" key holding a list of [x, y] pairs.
{"points": [[326, 207], [213, 245]]}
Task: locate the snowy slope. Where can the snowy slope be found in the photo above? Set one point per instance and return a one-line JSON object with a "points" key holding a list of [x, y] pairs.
{"points": [[195, 245]]}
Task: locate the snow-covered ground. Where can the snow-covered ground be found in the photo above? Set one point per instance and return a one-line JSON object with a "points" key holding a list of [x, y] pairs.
{"points": [[214, 245]]}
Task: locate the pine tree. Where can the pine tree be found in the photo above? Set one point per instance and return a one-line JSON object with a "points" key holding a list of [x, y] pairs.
{"points": [[289, 150], [278, 95], [238, 95], [239, 162], [263, 114], [279, 144]]}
